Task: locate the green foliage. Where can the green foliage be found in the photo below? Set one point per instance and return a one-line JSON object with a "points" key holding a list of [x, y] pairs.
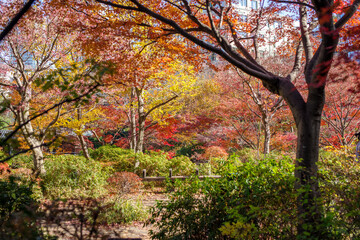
{"points": [[110, 153], [2, 155], [17, 210], [190, 150], [22, 161], [257, 200], [74, 177], [339, 176], [155, 163], [76, 79], [123, 211], [252, 196]]}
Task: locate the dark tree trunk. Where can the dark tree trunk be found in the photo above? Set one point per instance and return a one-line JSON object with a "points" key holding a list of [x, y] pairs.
{"points": [[307, 116], [309, 205]]}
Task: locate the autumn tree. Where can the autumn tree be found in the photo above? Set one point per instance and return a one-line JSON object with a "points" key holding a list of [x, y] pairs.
{"points": [[37, 85], [29, 51], [154, 95], [213, 25], [341, 117]]}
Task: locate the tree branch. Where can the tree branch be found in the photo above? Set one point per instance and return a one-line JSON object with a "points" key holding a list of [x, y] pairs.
{"points": [[15, 20]]}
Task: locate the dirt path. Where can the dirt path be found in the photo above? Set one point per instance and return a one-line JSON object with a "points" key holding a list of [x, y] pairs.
{"points": [[66, 229]]}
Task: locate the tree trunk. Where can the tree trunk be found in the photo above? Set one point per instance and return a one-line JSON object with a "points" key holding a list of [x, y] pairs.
{"points": [[141, 126], [29, 135], [309, 204], [38, 157], [307, 115], [84, 147], [81, 138], [141, 122], [35, 146], [132, 119], [267, 133]]}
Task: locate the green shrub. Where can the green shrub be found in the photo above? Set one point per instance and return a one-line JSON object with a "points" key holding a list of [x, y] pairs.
{"points": [[339, 175], [17, 210], [123, 211], [2, 155], [109, 153], [253, 196], [155, 163], [70, 176], [181, 165], [22, 161], [257, 200]]}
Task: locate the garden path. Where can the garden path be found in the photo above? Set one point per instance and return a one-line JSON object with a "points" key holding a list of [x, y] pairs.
{"points": [[69, 230]]}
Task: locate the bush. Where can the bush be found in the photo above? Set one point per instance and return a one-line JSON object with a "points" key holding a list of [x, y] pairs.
{"points": [[123, 211], [339, 175], [22, 161], [70, 176], [125, 182], [155, 163], [257, 200], [109, 153], [254, 196], [4, 168], [215, 152], [17, 210]]}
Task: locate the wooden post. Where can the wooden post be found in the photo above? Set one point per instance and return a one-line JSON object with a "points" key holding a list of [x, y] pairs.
{"points": [[197, 172], [144, 173], [170, 173]]}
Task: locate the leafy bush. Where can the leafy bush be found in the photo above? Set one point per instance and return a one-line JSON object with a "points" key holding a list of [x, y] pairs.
{"points": [[22, 161], [215, 152], [2, 154], [109, 153], [125, 182], [155, 163], [339, 175], [70, 176], [17, 210], [253, 196], [191, 151], [257, 200], [123, 211]]}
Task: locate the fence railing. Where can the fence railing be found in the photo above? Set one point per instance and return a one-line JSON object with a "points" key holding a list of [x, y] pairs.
{"points": [[171, 177]]}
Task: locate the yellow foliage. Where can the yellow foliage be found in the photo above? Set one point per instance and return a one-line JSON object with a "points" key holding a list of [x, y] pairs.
{"points": [[178, 80], [78, 125], [239, 230]]}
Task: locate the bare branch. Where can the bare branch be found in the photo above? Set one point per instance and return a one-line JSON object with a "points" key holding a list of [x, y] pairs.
{"points": [[298, 3], [349, 13]]}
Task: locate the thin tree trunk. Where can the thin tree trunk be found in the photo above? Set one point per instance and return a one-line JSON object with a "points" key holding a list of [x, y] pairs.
{"points": [[133, 134], [81, 138], [84, 147], [267, 133], [141, 122]]}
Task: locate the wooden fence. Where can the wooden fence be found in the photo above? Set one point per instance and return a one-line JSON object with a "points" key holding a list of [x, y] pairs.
{"points": [[171, 177]]}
